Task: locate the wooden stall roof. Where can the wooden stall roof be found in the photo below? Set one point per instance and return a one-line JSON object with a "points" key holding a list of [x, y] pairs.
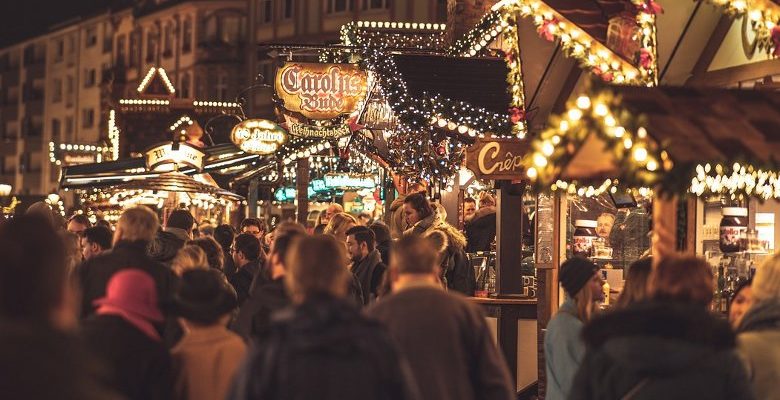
{"points": [[591, 15], [481, 82], [704, 125]]}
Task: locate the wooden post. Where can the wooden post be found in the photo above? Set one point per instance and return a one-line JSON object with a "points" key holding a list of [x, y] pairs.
{"points": [[302, 188], [251, 199], [664, 241], [509, 235]]}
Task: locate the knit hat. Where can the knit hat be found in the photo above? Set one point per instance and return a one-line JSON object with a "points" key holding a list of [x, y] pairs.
{"points": [[204, 296], [575, 273], [131, 291], [766, 283]]}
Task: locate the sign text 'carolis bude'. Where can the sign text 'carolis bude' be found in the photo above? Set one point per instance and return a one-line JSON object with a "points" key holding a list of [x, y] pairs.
{"points": [[321, 91]]}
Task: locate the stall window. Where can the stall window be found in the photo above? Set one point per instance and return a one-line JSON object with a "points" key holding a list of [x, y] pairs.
{"points": [[187, 35]]}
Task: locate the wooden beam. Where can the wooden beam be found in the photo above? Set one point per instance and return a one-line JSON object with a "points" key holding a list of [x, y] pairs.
{"points": [[509, 234], [712, 46], [730, 76]]}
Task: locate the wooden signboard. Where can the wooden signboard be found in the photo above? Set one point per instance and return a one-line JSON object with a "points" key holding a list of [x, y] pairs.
{"points": [[321, 91], [258, 136], [497, 159]]}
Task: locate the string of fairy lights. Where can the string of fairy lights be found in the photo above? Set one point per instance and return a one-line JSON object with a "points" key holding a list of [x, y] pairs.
{"points": [[764, 18]]}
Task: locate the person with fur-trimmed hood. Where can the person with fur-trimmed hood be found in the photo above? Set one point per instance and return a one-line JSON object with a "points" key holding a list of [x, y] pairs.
{"points": [[422, 219], [667, 347]]}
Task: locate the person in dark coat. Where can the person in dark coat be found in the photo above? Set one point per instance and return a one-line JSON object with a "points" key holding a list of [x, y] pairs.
{"points": [[134, 230], [481, 230], [367, 263], [122, 334], [168, 241], [668, 347], [422, 219], [224, 235], [322, 347], [40, 356], [254, 317], [444, 337], [246, 256], [383, 240]]}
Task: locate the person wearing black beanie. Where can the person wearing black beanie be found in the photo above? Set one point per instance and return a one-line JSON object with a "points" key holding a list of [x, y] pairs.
{"points": [[563, 347]]}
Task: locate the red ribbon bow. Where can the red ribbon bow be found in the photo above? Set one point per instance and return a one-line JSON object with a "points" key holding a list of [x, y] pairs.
{"points": [[645, 58], [547, 27], [651, 7]]}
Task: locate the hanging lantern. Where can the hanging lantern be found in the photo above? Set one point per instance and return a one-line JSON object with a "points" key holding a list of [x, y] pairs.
{"points": [[623, 35]]}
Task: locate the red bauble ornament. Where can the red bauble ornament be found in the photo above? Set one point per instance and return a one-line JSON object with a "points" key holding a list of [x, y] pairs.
{"points": [[645, 58]]}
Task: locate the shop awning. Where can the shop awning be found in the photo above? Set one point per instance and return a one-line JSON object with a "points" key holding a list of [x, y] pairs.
{"points": [[705, 141], [222, 159]]}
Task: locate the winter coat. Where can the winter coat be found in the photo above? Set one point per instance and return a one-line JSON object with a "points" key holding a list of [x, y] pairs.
{"points": [[758, 344], [166, 244], [242, 279], [396, 220], [94, 273], [447, 342], [140, 365], [40, 362], [323, 349], [370, 272], [384, 251], [229, 267], [254, 317], [481, 230], [563, 350], [660, 350], [205, 362], [457, 270]]}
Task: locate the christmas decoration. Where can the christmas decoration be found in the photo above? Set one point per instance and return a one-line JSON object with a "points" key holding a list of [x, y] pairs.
{"points": [[764, 17]]}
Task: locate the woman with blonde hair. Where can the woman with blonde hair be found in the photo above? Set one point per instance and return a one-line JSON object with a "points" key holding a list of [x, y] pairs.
{"points": [[189, 257], [564, 349], [338, 226]]}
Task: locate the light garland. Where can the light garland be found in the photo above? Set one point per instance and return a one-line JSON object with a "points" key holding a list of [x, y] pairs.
{"points": [[144, 102], [147, 79], [737, 181], [764, 17], [216, 104], [181, 121], [55, 149], [113, 134], [168, 84], [574, 41], [640, 162], [150, 75], [394, 34]]}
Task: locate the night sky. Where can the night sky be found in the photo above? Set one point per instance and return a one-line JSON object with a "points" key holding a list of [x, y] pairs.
{"points": [[21, 19]]}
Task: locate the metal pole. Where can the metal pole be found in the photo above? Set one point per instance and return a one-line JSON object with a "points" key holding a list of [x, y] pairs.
{"points": [[251, 199], [302, 187]]}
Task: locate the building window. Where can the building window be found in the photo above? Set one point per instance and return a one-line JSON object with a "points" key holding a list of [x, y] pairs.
{"points": [[121, 52], [108, 37], [59, 50], [184, 89], [91, 36], [87, 117], [90, 77], [168, 40], [288, 8], [55, 129], [222, 87], [69, 88], [230, 28], [151, 45], [187, 39], [68, 129], [376, 4], [135, 49], [339, 6], [56, 96], [266, 11]]}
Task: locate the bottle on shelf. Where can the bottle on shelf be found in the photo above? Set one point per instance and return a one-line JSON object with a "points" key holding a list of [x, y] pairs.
{"points": [[605, 287]]}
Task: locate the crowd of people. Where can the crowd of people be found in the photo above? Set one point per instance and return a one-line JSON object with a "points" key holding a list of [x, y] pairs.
{"points": [[347, 310], [181, 310], [661, 340]]}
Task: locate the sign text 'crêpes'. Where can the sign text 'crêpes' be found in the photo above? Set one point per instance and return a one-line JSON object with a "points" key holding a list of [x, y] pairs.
{"points": [[494, 158]]}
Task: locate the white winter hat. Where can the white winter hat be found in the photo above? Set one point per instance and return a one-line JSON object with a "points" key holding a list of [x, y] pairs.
{"points": [[766, 283]]}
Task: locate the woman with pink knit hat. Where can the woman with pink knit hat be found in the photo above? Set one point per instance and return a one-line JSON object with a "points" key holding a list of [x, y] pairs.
{"points": [[123, 333], [758, 338]]}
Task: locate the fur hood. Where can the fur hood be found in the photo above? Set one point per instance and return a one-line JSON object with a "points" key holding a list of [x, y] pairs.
{"points": [[484, 211], [455, 237], [764, 315], [659, 337]]}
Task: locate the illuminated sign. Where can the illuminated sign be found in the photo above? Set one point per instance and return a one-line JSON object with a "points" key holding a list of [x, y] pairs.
{"points": [[165, 153], [492, 158], [321, 91], [349, 181], [76, 159], [323, 132], [258, 136]]}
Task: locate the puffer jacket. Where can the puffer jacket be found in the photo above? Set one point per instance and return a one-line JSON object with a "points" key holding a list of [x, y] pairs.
{"points": [[459, 274], [660, 350], [758, 343]]}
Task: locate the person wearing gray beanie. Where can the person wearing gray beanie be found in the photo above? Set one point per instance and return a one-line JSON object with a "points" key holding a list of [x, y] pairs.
{"points": [[564, 349], [758, 333]]}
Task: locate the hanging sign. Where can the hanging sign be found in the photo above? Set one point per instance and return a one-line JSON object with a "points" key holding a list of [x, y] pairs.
{"points": [[165, 153], [322, 132], [497, 159], [378, 115], [321, 91], [258, 136], [349, 181]]}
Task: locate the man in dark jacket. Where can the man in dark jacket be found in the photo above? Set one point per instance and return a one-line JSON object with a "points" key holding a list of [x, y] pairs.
{"points": [[383, 240], [123, 336], [668, 347], [224, 235], [177, 231], [39, 355], [254, 317], [134, 230], [444, 337], [366, 261], [322, 347], [246, 256]]}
